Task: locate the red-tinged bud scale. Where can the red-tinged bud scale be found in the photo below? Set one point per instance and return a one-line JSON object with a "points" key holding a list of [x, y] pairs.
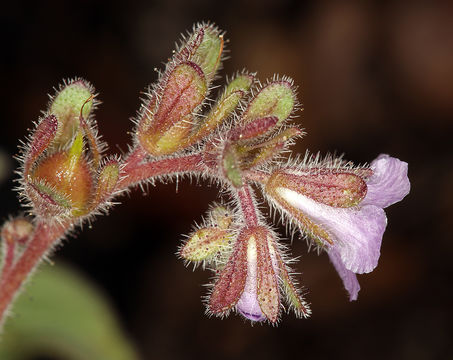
{"points": [[256, 155], [254, 129]]}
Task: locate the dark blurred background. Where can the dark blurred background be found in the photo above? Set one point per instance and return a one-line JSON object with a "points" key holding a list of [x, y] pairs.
{"points": [[374, 77]]}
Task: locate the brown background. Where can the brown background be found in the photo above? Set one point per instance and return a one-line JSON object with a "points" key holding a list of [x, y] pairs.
{"points": [[373, 77]]}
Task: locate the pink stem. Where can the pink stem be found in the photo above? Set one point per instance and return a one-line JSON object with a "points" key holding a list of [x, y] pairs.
{"points": [[135, 174], [43, 238], [134, 158], [247, 205], [257, 176], [10, 247], [47, 234]]}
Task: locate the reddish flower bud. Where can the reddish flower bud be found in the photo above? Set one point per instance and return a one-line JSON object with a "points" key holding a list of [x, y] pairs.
{"points": [[169, 122], [62, 184]]}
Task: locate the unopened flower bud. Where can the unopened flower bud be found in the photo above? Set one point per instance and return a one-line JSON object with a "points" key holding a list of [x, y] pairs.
{"points": [[223, 108], [62, 183], [166, 126], [67, 105], [208, 54], [277, 99]]}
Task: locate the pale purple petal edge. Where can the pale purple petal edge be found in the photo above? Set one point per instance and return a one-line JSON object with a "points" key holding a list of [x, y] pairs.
{"points": [[389, 182], [349, 278], [359, 238], [247, 304], [248, 307], [356, 232]]}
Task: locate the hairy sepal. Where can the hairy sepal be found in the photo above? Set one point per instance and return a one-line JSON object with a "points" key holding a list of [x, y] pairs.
{"points": [[167, 127], [333, 187], [259, 154], [107, 180], [44, 134], [205, 243], [277, 99], [231, 281], [268, 294]]}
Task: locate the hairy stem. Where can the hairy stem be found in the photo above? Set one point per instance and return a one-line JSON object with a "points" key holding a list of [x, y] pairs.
{"points": [[257, 176], [247, 205], [43, 239], [8, 251], [136, 156], [133, 174], [47, 234], [135, 170]]}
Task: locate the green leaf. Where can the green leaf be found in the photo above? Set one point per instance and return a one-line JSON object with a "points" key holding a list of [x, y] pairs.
{"points": [[61, 315]]}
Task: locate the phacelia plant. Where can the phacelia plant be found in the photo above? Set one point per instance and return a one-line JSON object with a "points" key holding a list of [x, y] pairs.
{"points": [[237, 141]]}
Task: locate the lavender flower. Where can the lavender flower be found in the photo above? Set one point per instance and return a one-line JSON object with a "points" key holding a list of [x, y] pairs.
{"points": [[341, 208]]}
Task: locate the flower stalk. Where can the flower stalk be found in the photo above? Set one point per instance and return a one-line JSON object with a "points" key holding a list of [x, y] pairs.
{"points": [[238, 141]]}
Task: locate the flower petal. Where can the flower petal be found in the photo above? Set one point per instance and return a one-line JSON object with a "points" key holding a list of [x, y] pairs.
{"points": [[357, 233], [349, 278], [389, 182], [248, 304], [360, 233]]}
